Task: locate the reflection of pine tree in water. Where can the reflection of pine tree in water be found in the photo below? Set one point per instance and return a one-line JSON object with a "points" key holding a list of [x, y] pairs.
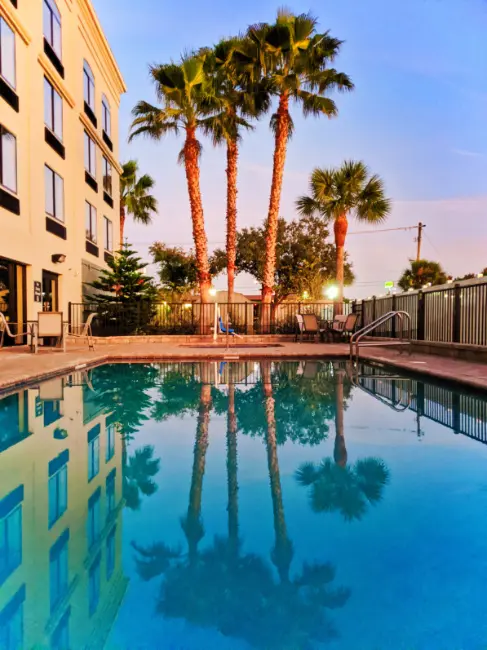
{"points": [[334, 486], [234, 592]]}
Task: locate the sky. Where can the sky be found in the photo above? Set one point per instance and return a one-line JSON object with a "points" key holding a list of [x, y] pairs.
{"points": [[417, 118]]}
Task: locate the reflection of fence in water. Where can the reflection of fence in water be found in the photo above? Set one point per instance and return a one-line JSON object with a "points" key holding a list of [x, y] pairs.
{"points": [[462, 413]]}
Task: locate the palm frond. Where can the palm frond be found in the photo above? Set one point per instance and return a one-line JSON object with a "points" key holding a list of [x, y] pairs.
{"points": [[316, 104]]}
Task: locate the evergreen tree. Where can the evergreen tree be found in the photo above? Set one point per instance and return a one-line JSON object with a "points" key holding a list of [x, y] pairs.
{"points": [[125, 281]]}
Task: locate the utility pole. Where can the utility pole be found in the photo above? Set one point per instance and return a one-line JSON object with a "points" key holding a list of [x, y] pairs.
{"points": [[420, 236]]}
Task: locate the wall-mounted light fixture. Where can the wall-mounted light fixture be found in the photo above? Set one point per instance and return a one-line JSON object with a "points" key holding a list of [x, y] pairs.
{"points": [[58, 258]]}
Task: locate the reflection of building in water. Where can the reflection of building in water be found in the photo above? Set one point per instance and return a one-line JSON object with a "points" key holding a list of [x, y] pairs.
{"points": [[61, 579]]}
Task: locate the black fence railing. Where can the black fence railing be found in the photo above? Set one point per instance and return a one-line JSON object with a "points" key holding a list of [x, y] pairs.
{"points": [[116, 319], [463, 413], [455, 313]]}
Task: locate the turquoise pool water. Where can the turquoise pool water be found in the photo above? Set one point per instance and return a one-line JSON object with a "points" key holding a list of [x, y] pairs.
{"points": [[293, 505]]}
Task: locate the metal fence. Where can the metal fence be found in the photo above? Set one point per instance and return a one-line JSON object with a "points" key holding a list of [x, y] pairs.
{"points": [[463, 413], [455, 313], [122, 319]]}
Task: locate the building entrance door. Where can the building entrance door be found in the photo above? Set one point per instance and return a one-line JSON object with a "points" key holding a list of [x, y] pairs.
{"points": [[12, 297], [50, 290]]}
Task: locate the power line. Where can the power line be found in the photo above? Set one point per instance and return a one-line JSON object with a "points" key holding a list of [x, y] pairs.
{"points": [[372, 232]]}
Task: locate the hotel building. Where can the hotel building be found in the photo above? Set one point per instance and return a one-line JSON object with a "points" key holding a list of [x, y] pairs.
{"points": [[60, 91]]}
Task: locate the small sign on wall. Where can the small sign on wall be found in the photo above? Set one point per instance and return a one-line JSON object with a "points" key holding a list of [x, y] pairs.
{"points": [[37, 291]]}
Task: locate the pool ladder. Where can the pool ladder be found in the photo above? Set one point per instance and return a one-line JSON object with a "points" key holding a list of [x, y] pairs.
{"points": [[355, 339]]}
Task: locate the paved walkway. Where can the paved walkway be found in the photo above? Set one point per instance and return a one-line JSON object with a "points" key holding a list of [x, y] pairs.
{"points": [[18, 365]]}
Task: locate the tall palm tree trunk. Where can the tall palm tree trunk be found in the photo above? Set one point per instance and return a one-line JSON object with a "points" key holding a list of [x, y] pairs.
{"points": [[193, 526], [232, 466], [282, 552], [191, 163], [122, 222], [232, 158], [340, 449], [281, 137], [340, 229]]}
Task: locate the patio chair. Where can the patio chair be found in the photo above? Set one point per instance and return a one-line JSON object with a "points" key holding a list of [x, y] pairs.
{"points": [[49, 326], [84, 331], [5, 330], [343, 326], [308, 324], [223, 329]]}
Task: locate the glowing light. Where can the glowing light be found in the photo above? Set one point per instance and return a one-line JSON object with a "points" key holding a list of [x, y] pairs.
{"points": [[305, 295], [331, 292], [212, 291], [187, 305], [480, 275]]}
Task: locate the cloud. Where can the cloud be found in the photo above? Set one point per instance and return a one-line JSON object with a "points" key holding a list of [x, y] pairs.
{"points": [[469, 154]]}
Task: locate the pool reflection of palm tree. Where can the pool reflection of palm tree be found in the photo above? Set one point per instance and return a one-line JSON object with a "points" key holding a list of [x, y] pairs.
{"points": [[138, 472], [232, 479], [282, 553], [337, 487], [192, 523]]}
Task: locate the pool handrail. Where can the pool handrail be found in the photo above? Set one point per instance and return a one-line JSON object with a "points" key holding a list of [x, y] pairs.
{"points": [[357, 336]]}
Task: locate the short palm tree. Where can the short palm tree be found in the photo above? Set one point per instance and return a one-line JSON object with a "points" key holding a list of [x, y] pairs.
{"points": [[294, 60], [185, 91], [238, 100], [337, 193], [135, 196], [423, 272]]}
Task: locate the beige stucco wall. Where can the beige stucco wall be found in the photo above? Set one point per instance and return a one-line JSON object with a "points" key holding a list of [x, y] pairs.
{"points": [[24, 238]]}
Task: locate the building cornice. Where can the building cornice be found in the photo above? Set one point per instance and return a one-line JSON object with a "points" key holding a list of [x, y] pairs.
{"points": [[103, 147], [14, 23], [54, 79], [90, 19]]}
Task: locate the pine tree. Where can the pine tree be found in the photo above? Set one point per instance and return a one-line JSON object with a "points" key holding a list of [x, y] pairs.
{"points": [[125, 281]]}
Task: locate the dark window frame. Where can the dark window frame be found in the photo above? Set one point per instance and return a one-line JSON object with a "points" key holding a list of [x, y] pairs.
{"points": [[54, 174], [88, 72], [106, 111], [8, 189], [92, 221], [91, 143], [48, 126], [50, 37], [106, 166], [107, 226], [14, 85]]}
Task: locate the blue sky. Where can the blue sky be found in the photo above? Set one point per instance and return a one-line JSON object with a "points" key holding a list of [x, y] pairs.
{"points": [[417, 118]]}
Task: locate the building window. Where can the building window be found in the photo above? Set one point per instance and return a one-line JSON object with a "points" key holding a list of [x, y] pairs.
{"points": [[58, 569], [11, 533], [53, 110], [60, 636], [94, 586], [106, 118], [58, 487], [52, 26], [90, 156], [110, 488], [107, 176], [7, 53], [54, 186], [110, 557], [88, 86], [12, 622], [108, 243], [90, 222], [94, 522], [8, 160], [110, 449], [93, 458]]}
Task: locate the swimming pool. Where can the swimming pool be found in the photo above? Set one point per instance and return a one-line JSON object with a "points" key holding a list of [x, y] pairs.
{"points": [[270, 505]]}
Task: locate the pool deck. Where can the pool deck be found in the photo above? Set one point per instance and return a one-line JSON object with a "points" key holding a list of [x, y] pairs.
{"points": [[18, 365]]}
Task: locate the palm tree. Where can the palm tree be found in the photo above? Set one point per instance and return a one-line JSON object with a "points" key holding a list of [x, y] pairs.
{"points": [[293, 58], [185, 91], [237, 101], [135, 197], [423, 272], [337, 193]]}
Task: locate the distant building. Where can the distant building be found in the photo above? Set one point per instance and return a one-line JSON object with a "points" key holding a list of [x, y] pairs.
{"points": [[60, 91]]}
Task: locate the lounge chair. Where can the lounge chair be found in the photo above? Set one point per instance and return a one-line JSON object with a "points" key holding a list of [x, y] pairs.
{"points": [[49, 326], [5, 329], [308, 324], [84, 331], [223, 329]]}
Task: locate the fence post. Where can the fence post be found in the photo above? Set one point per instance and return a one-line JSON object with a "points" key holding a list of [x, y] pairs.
{"points": [[457, 313], [362, 317], [373, 308], [69, 314], [393, 308], [421, 314]]}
